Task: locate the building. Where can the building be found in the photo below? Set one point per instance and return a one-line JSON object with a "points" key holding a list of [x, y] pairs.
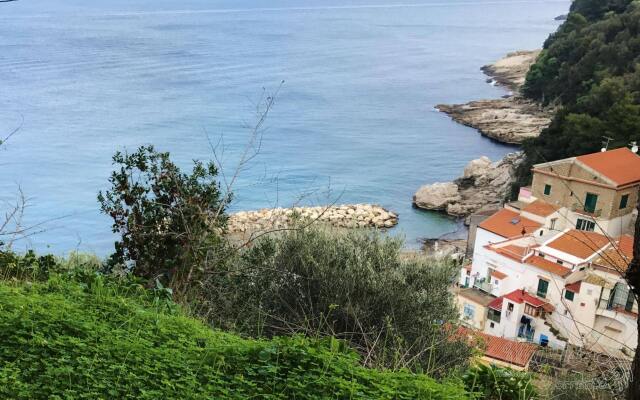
{"points": [[594, 192], [549, 267]]}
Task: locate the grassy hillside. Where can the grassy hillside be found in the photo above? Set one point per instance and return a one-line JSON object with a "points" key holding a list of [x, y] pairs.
{"points": [[92, 338], [589, 70]]}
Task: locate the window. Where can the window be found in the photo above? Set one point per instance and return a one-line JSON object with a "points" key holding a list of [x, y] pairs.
{"points": [[559, 262], [469, 311], [590, 202], [624, 201], [543, 286], [491, 325], [585, 225], [547, 190], [552, 224], [569, 295], [493, 315], [531, 310], [509, 306]]}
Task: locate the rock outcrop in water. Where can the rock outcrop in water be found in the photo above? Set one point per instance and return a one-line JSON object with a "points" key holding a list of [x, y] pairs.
{"points": [[341, 216], [509, 120], [483, 186]]}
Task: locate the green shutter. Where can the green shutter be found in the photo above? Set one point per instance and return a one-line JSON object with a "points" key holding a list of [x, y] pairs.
{"points": [[624, 201], [590, 202], [547, 190], [543, 286], [569, 295]]}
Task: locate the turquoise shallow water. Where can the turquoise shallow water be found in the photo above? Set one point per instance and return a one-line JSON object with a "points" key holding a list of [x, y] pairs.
{"points": [[353, 122]]}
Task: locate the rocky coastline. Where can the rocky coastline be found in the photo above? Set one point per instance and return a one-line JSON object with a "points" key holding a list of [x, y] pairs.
{"points": [[483, 186], [511, 119], [348, 216]]}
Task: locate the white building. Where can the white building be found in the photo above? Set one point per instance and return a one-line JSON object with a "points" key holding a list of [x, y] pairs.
{"points": [[554, 278]]}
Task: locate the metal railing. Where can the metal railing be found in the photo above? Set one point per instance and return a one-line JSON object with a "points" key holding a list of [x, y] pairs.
{"points": [[580, 208], [483, 285]]}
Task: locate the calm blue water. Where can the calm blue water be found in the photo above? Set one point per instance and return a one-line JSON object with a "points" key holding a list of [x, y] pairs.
{"points": [[354, 120]]}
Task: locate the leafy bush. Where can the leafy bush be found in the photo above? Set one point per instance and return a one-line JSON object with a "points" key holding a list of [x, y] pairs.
{"points": [[494, 383], [101, 339], [169, 222], [352, 285]]}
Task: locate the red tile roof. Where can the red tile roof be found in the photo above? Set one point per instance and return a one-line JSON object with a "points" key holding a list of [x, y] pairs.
{"points": [[496, 304], [522, 296], [497, 348], [498, 275], [548, 266], [508, 224], [580, 244], [574, 287], [541, 208], [622, 166]]}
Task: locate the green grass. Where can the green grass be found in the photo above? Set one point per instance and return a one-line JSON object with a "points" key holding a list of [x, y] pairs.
{"points": [[64, 339]]}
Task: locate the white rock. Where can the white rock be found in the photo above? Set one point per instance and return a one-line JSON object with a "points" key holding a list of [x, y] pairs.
{"points": [[436, 196], [477, 167]]}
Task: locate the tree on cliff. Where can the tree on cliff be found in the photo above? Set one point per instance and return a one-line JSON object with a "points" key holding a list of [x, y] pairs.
{"points": [[589, 71], [169, 222]]}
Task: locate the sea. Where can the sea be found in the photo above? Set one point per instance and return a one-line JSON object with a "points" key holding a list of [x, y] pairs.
{"points": [[353, 82]]}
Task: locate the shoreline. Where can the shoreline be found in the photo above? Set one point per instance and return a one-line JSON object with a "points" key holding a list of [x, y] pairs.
{"points": [[511, 119]]}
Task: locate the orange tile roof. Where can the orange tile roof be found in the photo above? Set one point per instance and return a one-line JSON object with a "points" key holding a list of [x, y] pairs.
{"points": [[508, 224], [498, 275], [620, 165], [619, 257], [541, 208], [548, 266], [510, 351], [625, 245], [581, 244], [511, 251]]}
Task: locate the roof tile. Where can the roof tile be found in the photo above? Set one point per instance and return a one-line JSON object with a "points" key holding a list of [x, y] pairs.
{"points": [[548, 266], [622, 166], [581, 244], [508, 224], [541, 208]]}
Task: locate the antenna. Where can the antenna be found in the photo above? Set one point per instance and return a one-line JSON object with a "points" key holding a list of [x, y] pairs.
{"points": [[634, 147], [605, 143]]}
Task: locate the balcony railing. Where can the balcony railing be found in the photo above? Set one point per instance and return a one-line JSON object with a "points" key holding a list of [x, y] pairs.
{"points": [[483, 285], [580, 208]]}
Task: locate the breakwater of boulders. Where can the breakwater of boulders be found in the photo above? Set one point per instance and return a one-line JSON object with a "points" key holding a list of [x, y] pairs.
{"points": [[341, 216]]}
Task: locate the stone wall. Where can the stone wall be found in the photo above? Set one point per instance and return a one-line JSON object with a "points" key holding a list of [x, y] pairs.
{"points": [[341, 216]]}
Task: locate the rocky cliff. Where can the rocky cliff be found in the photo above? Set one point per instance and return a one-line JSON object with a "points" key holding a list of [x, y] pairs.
{"points": [[484, 185], [509, 120]]}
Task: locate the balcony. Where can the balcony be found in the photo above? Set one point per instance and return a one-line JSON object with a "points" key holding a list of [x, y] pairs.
{"points": [[581, 209], [483, 285]]}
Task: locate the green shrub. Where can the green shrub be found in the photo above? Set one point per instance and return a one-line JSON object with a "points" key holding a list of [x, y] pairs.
{"points": [[99, 339], [494, 383], [356, 286], [170, 222]]}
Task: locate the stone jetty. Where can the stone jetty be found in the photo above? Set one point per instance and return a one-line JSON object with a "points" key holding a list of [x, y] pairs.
{"points": [[340, 216]]}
